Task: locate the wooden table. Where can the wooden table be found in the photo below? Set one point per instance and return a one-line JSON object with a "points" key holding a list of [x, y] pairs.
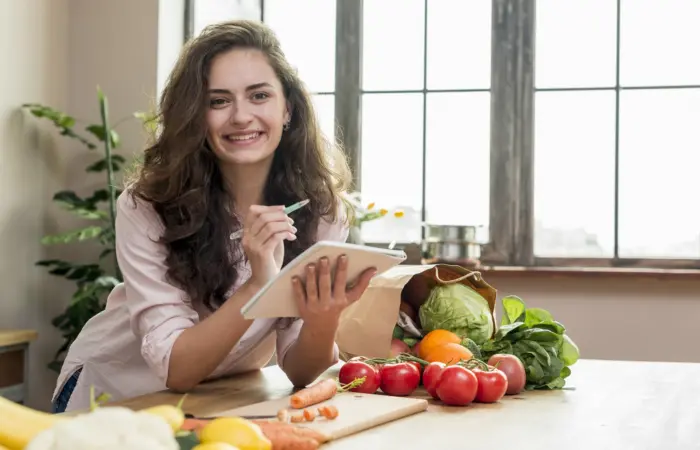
{"points": [[614, 405], [14, 363]]}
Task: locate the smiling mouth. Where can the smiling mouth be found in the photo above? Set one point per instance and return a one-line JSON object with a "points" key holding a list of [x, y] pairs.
{"points": [[242, 138]]}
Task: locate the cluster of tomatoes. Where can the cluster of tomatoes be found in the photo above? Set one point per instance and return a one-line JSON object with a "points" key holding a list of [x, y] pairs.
{"points": [[456, 384]]}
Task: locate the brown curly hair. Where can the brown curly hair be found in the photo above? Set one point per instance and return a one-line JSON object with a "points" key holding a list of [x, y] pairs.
{"points": [[179, 174]]}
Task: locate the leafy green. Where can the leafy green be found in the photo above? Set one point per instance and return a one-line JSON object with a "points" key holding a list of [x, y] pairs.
{"points": [[459, 309], [187, 440], [538, 340]]}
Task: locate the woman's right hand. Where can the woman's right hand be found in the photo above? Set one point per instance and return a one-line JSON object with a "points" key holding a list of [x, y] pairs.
{"points": [[265, 228]]}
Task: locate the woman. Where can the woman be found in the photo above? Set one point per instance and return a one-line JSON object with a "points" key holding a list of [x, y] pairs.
{"points": [[238, 141]]}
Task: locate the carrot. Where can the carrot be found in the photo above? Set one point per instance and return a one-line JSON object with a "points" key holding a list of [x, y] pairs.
{"points": [[316, 393], [310, 415], [194, 424], [274, 428], [296, 418], [329, 411], [321, 391], [283, 441]]}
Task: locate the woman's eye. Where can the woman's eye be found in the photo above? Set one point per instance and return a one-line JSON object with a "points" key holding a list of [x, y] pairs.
{"points": [[260, 96], [214, 102]]}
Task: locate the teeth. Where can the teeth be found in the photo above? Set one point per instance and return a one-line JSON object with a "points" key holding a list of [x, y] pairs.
{"points": [[244, 137]]}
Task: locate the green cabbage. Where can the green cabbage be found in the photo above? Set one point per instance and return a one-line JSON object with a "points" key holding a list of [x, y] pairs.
{"points": [[459, 309]]}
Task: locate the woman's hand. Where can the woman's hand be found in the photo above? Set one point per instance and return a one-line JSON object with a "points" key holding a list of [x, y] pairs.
{"points": [[320, 303], [265, 229]]}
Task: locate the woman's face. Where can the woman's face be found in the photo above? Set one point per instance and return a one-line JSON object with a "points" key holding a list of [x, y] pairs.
{"points": [[246, 109]]}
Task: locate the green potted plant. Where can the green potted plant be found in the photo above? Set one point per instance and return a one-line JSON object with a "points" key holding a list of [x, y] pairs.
{"points": [[94, 279]]}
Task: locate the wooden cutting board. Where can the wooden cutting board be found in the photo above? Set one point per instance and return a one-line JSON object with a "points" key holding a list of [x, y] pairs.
{"points": [[357, 412]]}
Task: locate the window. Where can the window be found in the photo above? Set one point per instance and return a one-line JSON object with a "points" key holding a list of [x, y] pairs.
{"points": [[425, 114], [616, 140], [572, 144]]}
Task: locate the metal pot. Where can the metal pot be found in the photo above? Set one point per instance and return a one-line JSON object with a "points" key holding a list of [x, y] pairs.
{"points": [[451, 251], [453, 242]]}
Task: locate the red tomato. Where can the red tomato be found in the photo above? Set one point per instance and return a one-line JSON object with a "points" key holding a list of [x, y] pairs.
{"points": [[357, 369], [418, 367], [457, 386], [431, 374], [514, 370], [492, 385], [399, 379]]}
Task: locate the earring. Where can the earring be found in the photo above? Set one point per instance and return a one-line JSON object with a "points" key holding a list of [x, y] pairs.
{"points": [[285, 127]]}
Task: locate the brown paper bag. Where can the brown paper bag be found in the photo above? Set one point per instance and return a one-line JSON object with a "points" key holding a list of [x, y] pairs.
{"points": [[366, 326]]}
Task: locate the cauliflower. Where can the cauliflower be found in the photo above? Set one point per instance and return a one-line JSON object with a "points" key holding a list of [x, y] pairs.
{"points": [[106, 429]]}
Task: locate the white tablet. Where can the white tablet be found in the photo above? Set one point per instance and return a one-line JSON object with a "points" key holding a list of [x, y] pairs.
{"points": [[276, 298]]}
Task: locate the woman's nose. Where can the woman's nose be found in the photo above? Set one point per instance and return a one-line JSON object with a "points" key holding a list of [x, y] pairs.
{"points": [[241, 114]]}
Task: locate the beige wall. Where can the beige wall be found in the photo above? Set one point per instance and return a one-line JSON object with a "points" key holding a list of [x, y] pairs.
{"points": [[34, 45], [647, 319], [58, 52]]}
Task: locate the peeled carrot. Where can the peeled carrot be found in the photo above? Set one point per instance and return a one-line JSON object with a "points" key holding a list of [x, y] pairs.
{"points": [[310, 415], [278, 428], [329, 411], [296, 418], [290, 437], [194, 424], [316, 393], [321, 391]]}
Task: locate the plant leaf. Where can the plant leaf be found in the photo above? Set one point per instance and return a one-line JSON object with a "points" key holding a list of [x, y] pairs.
{"points": [[99, 132], [62, 121], [506, 330], [569, 352], [536, 316], [101, 165], [513, 310], [80, 235]]}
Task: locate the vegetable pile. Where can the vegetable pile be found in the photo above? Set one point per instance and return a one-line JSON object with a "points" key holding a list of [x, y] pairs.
{"points": [[455, 326]]}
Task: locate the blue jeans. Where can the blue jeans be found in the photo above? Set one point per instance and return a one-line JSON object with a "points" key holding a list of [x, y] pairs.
{"points": [[61, 402]]}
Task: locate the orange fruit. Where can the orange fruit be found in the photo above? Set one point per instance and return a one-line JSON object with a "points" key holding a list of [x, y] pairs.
{"points": [[435, 339], [449, 353]]}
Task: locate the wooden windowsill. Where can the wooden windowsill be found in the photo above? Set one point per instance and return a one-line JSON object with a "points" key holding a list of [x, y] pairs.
{"points": [[592, 271]]}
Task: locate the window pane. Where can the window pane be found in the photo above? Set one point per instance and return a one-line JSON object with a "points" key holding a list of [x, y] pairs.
{"points": [[325, 112], [468, 25], [392, 51], [574, 174], [660, 42], [570, 50], [392, 164], [457, 169], [659, 161], [207, 12], [306, 29]]}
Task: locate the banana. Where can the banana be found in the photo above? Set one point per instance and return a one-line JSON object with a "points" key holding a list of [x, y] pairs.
{"points": [[19, 424]]}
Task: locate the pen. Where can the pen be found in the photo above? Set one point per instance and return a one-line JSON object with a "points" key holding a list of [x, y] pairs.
{"points": [[289, 209]]}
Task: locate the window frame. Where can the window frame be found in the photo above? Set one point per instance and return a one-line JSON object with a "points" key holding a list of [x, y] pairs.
{"points": [[511, 229]]}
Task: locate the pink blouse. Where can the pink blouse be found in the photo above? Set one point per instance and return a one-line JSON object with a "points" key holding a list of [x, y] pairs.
{"points": [[125, 350]]}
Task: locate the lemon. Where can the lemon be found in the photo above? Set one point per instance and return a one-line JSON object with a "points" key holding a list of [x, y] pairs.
{"points": [[171, 414], [215, 446], [237, 431]]}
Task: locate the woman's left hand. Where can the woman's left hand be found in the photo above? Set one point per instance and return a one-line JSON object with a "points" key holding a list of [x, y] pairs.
{"points": [[320, 303]]}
